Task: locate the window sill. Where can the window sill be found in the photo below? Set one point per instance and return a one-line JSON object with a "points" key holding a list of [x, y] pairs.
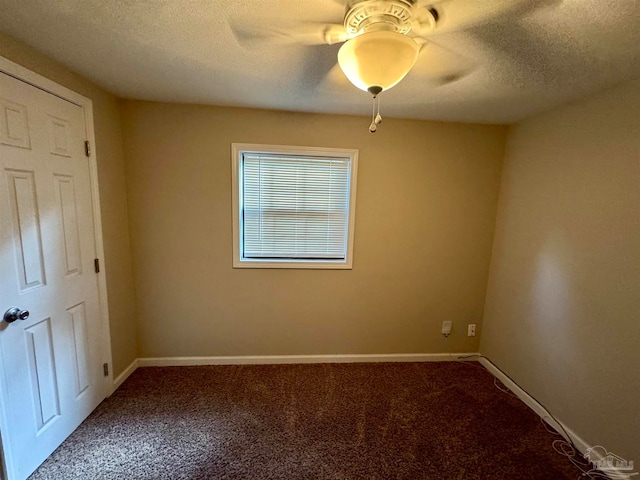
{"points": [[308, 265]]}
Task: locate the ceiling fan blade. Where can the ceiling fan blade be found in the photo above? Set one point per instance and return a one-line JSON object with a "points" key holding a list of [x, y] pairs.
{"points": [[455, 15], [300, 34], [439, 65]]}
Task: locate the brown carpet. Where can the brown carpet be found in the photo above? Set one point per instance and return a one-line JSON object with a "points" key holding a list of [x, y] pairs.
{"points": [[414, 421]]}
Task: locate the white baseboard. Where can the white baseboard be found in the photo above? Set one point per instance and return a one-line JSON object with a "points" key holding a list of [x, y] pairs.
{"points": [[125, 374], [533, 404], [596, 452], [289, 359]]}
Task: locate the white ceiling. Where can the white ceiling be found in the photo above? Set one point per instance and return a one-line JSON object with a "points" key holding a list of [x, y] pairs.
{"points": [[520, 56]]}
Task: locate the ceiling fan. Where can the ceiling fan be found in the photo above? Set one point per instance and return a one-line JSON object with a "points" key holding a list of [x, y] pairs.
{"points": [[382, 39], [378, 53]]}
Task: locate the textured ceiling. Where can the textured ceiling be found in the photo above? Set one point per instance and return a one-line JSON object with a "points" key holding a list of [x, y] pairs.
{"points": [[490, 61]]}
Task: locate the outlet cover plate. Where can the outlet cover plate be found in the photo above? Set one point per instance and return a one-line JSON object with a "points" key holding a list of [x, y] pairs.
{"points": [[446, 327]]}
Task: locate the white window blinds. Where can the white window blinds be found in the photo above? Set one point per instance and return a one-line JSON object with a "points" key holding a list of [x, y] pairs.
{"points": [[294, 206]]}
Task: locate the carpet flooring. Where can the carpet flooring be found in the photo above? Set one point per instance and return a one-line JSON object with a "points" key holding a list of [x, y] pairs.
{"points": [[413, 421]]}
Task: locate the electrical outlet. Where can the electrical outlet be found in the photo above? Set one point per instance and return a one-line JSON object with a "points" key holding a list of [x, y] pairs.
{"points": [[446, 328], [471, 330]]}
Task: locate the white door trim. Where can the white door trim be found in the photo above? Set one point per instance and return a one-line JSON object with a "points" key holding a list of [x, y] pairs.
{"points": [[38, 81]]}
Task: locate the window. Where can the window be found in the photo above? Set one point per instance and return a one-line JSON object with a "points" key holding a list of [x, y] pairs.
{"points": [[293, 207]]}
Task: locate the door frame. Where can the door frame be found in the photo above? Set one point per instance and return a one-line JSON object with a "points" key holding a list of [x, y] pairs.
{"points": [[21, 73]]}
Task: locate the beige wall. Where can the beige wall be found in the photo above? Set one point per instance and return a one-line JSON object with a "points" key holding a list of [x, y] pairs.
{"points": [[112, 194], [563, 305], [427, 194]]}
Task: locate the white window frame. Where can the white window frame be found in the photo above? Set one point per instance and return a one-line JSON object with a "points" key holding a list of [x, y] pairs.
{"points": [[237, 151]]}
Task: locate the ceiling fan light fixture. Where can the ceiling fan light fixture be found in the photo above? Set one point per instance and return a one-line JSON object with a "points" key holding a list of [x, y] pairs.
{"points": [[378, 59]]}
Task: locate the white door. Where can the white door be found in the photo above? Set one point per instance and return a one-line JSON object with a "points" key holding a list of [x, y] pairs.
{"points": [[51, 361]]}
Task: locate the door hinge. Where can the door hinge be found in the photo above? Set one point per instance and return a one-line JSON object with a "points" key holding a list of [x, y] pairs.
{"points": [[105, 369], [96, 265], [87, 148]]}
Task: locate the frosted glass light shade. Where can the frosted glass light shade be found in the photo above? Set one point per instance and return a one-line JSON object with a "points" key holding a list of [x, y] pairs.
{"points": [[377, 59]]}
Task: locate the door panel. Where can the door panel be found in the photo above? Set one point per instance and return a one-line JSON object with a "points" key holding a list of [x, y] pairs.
{"points": [[77, 314], [26, 228], [52, 370], [14, 129], [42, 372], [66, 198]]}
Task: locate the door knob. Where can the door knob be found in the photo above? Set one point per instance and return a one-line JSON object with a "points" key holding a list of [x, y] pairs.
{"points": [[14, 314]]}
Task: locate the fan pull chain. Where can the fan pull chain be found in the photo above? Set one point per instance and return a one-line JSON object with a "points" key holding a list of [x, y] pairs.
{"points": [[376, 118], [373, 127]]}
